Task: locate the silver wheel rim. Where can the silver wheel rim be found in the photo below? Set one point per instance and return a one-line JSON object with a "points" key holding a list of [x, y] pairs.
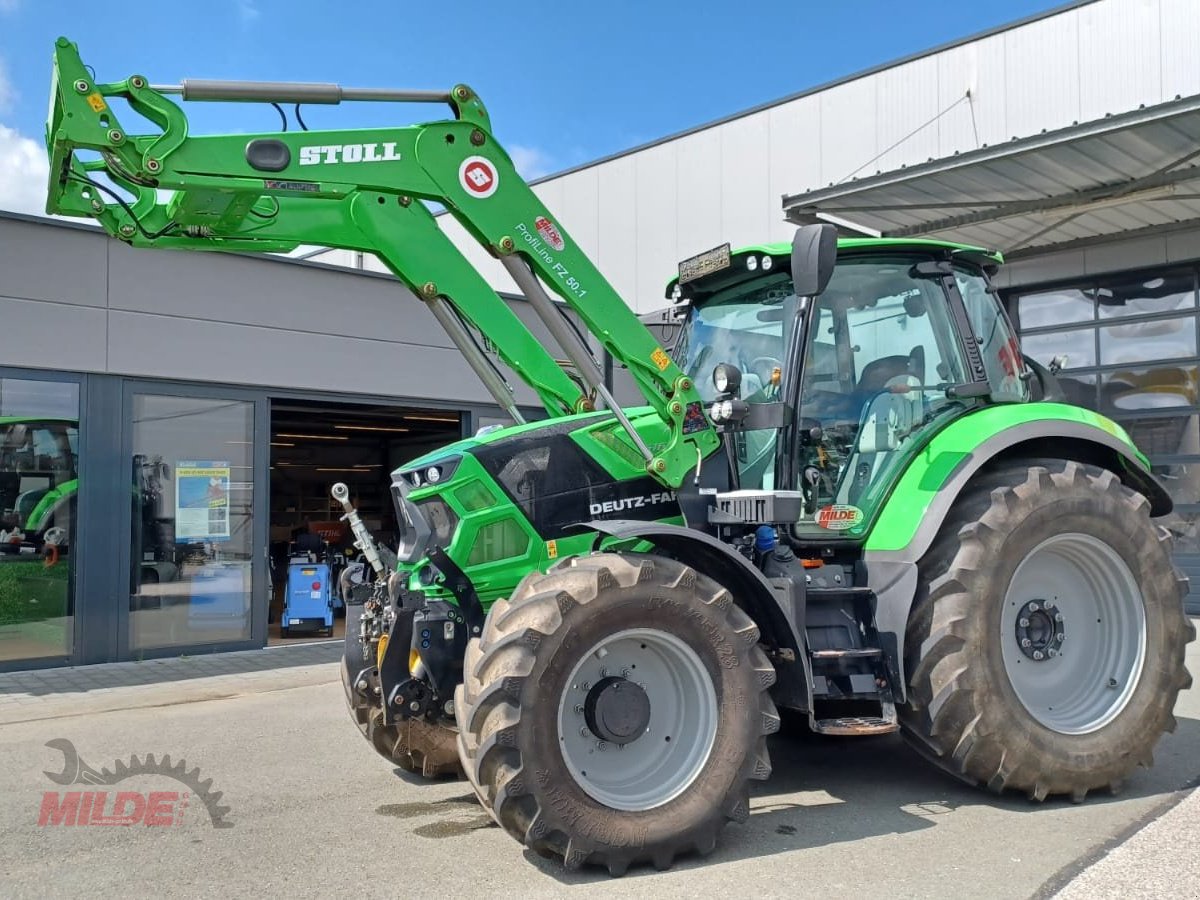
{"points": [[664, 759], [1089, 664]]}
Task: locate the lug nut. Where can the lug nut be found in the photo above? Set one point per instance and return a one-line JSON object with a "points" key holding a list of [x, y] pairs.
{"points": [[1026, 642], [1052, 653], [1034, 606], [624, 673], [601, 746], [583, 732], [604, 673], [362, 684], [1023, 622], [1037, 654], [414, 706], [579, 708], [1058, 637], [1058, 617]]}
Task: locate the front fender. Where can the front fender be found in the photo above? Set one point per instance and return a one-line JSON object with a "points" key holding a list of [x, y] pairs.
{"points": [[777, 609]]}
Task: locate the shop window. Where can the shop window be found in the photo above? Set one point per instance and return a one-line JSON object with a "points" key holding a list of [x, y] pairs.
{"points": [[1146, 295], [1148, 340], [1150, 387], [191, 543], [1055, 307], [1075, 349], [39, 487]]}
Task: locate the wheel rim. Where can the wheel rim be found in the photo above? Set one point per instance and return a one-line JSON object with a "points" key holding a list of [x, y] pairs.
{"points": [[642, 748], [1073, 633]]}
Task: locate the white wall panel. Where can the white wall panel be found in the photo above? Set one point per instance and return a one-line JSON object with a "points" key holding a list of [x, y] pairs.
{"points": [[848, 132], [745, 183], [1119, 55], [616, 208], [1042, 76], [979, 68], [907, 111], [657, 234], [579, 210], [698, 185], [794, 155], [1179, 26]]}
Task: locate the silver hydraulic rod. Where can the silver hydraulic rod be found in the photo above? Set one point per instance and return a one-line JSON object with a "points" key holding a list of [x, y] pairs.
{"points": [[577, 351], [457, 333], [362, 538], [293, 92]]}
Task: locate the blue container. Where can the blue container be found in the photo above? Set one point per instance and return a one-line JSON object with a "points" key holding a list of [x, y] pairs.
{"points": [[308, 603]]}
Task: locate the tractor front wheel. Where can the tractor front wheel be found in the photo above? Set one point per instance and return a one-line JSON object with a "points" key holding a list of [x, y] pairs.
{"points": [[614, 711], [1045, 649]]}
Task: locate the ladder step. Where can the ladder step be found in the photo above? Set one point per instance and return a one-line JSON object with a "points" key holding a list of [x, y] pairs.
{"points": [[864, 653], [855, 726]]}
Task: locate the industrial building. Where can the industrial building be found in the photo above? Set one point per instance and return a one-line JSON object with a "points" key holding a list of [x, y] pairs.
{"points": [[131, 380]]}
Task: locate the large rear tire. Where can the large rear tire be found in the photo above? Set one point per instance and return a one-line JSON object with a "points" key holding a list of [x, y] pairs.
{"points": [[1046, 644], [614, 711]]}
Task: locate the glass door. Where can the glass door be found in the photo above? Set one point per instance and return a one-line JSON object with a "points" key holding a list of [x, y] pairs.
{"points": [[192, 537], [39, 489]]}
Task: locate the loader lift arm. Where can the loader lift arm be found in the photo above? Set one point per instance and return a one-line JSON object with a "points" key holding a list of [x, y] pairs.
{"points": [[361, 189]]}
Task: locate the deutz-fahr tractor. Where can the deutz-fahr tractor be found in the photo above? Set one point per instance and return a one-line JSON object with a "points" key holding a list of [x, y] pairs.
{"points": [[848, 496]]}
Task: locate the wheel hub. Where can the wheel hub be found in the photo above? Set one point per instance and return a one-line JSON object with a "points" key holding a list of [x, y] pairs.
{"points": [[1040, 630], [617, 710]]}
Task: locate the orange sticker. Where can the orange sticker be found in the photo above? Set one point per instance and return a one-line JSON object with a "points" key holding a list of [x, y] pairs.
{"points": [[96, 102], [660, 359], [552, 549]]}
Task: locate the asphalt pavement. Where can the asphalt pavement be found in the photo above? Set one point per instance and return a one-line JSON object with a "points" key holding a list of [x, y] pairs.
{"points": [[307, 809]]}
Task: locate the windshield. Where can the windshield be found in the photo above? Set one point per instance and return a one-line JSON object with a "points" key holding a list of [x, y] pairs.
{"points": [[746, 325]]}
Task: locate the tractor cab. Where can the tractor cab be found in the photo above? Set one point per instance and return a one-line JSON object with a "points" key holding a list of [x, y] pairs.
{"points": [[838, 390]]}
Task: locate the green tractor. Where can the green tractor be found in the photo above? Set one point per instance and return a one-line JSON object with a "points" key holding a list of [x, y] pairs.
{"points": [[848, 495]]}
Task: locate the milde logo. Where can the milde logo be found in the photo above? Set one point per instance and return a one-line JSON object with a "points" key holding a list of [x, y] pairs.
{"points": [[159, 808]]}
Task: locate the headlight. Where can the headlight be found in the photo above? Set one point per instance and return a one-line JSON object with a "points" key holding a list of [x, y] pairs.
{"points": [[767, 263], [726, 378], [433, 475], [751, 263], [441, 519]]}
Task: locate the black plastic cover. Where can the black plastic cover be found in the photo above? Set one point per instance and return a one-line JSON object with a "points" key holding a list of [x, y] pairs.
{"points": [[268, 155]]}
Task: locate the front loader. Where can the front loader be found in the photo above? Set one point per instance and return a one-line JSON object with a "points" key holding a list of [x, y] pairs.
{"points": [[847, 495]]}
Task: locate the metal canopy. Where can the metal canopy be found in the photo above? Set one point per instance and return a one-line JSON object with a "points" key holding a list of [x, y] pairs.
{"points": [[1114, 175]]}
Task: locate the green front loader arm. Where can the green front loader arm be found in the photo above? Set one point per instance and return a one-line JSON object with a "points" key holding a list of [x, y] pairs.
{"points": [[361, 189]]}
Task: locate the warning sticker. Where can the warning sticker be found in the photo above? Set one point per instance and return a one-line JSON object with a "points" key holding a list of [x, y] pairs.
{"points": [[96, 102], [660, 358], [549, 233], [839, 517], [478, 177], [551, 549]]}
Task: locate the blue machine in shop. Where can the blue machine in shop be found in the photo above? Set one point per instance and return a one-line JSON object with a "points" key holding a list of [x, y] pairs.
{"points": [[308, 602]]}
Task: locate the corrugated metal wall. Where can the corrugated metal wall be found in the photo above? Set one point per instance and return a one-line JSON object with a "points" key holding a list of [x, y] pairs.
{"points": [[637, 215]]}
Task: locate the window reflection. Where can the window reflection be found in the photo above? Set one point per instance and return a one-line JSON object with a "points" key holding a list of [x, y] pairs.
{"points": [[1135, 342], [192, 539], [1146, 388], [1156, 293], [39, 481], [1076, 349], [1056, 307]]}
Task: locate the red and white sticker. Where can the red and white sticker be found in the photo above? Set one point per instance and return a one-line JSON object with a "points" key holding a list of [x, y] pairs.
{"points": [[478, 177], [838, 517], [549, 233]]}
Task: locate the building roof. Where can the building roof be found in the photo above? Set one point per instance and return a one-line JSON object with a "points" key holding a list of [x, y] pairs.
{"points": [[1114, 175]]}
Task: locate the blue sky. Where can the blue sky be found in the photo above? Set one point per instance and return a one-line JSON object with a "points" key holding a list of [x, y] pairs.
{"points": [[565, 82]]}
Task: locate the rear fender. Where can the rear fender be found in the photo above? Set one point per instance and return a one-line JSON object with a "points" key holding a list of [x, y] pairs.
{"points": [[929, 489]]}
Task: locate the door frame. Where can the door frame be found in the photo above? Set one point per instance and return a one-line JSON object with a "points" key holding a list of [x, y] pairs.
{"points": [[260, 512]]}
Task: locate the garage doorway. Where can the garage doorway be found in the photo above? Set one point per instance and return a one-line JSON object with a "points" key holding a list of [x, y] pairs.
{"points": [[315, 444]]}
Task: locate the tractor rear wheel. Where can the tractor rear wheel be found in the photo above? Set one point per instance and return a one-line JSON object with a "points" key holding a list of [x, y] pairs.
{"points": [[614, 711], [1046, 644]]}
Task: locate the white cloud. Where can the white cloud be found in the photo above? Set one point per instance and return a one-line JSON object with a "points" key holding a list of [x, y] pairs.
{"points": [[530, 162], [23, 172], [8, 93], [247, 11]]}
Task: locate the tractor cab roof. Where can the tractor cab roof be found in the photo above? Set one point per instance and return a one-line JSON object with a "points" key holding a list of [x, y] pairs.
{"points": [[781, 252]]}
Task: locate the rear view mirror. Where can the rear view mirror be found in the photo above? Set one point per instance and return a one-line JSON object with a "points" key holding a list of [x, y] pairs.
{"points": [[814, 254]]}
